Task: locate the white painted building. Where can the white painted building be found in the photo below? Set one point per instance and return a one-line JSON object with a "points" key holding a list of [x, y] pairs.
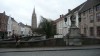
{"points": [[22, 30], [62, 27], [25, 30], [9, 27], [15, 27], [28, 31]]}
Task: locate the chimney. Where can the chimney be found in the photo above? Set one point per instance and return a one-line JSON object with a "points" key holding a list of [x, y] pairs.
{"points": [[60, 16], [4, 12], [69, 10]]}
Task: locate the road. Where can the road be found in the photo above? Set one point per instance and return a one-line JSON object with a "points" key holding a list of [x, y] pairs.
{"points": [[94, 52], [53, 51]]}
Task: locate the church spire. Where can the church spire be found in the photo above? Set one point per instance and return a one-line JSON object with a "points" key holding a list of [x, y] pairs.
{"points": [[34, 11], [34, 19]]}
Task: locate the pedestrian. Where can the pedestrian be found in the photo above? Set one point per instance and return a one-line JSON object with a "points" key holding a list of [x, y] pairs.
{"points": [[16, 38], [17, 41]]}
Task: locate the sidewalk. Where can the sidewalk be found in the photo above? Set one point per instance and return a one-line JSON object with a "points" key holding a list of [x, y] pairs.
{"points": [[4, 50]]}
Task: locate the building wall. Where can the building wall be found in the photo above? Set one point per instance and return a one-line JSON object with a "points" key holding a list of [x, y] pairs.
{"points": [[9, 27], [16, 28], [88, 20], [22, 30], [3, 24], [60, 27], [63, 27], [27, 31]]}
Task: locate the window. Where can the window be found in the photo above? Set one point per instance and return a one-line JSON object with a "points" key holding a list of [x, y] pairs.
{"points": [[91, 19], [90, 10], [98, 7], [91, 31], [98, 17], [98, 31]]}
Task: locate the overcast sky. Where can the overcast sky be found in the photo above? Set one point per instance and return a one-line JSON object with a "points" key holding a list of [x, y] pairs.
{"points": [[21, 10]]}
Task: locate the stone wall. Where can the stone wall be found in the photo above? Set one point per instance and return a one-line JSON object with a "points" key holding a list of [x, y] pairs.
{"points": [[90, 41], [47, 43], [42, 43]]}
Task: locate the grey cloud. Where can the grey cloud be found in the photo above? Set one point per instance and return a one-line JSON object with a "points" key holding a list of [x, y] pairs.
{"points": [[22, 10]]}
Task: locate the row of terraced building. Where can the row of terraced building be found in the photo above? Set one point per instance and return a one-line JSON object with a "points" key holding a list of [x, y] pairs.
{"points": [[87, 20]]}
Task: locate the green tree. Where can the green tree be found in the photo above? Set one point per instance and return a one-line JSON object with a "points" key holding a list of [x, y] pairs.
{"points": [[47, 27]]}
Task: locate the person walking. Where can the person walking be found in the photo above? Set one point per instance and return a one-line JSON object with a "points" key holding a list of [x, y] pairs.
{"points": [[17, 40]]}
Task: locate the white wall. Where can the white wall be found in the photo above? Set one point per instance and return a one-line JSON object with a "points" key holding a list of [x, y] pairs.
{"points": [[22, 30], [9, 26], [16, 28], [62, 28], [77, 16], [13, 27], [27, 31]]}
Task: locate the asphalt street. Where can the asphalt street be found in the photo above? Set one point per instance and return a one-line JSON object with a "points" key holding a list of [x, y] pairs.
{"points": [[54, 51]]}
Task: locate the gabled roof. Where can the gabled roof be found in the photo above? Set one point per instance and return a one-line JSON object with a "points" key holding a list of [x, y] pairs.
{"points": [[59, 19], [76, 9], [72, 11], [13, 20], [21, 24], [28, 26], [89, 4]]}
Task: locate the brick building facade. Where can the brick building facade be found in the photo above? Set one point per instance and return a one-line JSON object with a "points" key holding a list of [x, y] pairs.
{"points": [[3, 24]]}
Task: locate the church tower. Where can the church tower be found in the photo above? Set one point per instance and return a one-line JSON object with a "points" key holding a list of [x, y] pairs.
{"points": [[34, 20]]}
